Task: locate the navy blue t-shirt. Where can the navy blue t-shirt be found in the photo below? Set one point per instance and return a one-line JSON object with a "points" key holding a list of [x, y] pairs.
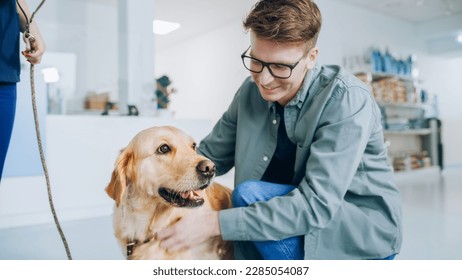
{"points": [[281, 167], [9, 42]]}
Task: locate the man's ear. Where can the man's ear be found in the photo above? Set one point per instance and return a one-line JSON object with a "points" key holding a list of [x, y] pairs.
{"points": [[312, 57], [122, 176]]}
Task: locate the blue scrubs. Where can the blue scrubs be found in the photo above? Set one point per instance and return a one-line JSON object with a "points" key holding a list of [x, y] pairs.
{"points": [[9, 72]]}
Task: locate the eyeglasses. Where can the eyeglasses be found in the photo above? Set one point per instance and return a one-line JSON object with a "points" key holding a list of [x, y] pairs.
{"points": [[277, 70]]}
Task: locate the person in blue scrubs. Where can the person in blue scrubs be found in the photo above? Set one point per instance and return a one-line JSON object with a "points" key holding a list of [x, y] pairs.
{"points": [[12, 22]]}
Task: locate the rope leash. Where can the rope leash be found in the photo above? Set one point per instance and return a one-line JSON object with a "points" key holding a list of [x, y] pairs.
{"points": [[37, 130]]}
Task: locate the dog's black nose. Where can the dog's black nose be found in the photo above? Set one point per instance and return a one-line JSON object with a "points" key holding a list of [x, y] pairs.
{"points": [[206, 168]]}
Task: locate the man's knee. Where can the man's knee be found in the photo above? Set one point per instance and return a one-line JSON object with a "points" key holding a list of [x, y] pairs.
{"points": [[244, 193]]}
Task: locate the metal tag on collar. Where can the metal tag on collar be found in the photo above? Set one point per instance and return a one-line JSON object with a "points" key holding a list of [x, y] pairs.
{"points": [[130, 248]]}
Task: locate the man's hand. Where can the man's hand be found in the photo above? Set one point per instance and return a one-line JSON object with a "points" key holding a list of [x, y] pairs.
{"points": [[190, 231]]}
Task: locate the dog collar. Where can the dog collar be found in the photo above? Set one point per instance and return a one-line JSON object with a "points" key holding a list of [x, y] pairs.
{"points": [[131, 245]]}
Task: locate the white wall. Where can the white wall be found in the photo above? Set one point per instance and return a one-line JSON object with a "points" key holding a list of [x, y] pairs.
{"points": [[87, 29], [100, 66], [443, 76], [350, 30], [207, 69]]}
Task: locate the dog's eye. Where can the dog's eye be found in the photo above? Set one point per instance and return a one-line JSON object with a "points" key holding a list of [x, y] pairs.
{"points": [[194, 146], [163, 149]]}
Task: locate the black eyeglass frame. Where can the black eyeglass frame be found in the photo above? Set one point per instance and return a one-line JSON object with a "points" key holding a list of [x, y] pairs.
{"points": [[268, 64]]}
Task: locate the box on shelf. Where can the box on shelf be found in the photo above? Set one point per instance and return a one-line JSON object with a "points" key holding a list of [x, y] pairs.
{"points": [[412, 161], [96, 101], [389, 88]]}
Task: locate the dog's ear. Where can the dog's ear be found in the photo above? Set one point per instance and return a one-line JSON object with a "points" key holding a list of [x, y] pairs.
{"points": [[122, 176]]}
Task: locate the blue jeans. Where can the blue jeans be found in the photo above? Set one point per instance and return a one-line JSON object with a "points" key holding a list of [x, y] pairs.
{"points": [[7, 112], [291, 248], [389, 258], [250, 192]]}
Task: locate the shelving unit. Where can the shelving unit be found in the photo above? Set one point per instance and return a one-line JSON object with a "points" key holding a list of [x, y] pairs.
{"points": [[413, 140]]}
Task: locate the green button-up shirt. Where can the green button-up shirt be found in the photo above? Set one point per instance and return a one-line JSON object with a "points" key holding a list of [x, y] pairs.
{"points": [[346, 204]]}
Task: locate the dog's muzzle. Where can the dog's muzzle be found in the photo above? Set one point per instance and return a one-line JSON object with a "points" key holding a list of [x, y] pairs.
{"points": [[190, 199]]}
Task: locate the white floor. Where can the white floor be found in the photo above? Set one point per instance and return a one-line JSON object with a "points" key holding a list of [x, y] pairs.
{"points": [[432, 215]]}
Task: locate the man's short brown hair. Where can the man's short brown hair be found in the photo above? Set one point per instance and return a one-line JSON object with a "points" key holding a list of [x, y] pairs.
{"points": [[285, 21]]}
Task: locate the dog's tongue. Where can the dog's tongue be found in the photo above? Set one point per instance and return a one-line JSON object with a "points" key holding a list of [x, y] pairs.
{"points": [[192, 194]]}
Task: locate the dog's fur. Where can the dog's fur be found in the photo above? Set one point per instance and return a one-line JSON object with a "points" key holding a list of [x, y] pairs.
{"points": [[157, 179]]}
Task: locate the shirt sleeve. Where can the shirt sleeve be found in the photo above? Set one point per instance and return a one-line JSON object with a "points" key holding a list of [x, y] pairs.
{"points": [[339, 143], [219, 145]]}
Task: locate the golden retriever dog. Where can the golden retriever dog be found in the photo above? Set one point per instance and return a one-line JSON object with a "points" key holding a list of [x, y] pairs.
{"points": [[157, 179]]}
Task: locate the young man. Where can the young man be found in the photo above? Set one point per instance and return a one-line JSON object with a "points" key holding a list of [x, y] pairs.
{"points": [[311, 171]]}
